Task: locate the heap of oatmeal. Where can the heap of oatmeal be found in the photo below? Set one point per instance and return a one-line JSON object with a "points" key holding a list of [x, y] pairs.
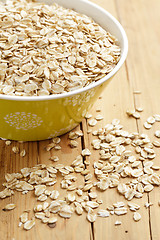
{"points": [[48, 50]]}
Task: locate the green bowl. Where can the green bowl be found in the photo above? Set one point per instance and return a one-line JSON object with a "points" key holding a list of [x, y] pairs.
{"points": [[43, 117]]}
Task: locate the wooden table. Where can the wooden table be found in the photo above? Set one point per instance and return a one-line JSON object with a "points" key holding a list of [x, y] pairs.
{"points": [[141, 72]]}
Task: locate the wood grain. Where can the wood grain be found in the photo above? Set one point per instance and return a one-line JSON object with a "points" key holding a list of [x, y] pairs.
{"points": [[143, 69], [141, 19]]}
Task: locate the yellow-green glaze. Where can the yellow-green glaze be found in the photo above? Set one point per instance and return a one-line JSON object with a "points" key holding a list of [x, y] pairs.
{"points": [[38, 120]]}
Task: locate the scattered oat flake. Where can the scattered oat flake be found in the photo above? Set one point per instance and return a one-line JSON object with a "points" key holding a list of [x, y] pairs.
{"points": [[39, 215], [54, 158], [130, 112], [92, 195], [136, 216], [23, 153], [151, 120], [139, 109], [20, 224], [45, 220], [157, 117], [148, 188], [136, 115], [87, 187], [57, 147], [29, 224], [155, 167], [86, 152], [73, 135], [92, 204], [147, 125], [15, 149], [52, 220], [79, 192], [9, 207], [54, 194], [73, 143], [91, 216], [65, 211], [6, 193], [8, 142], [117, 223], [71, 197], [156, 143], [120, 211], [157, 133], [99, 201], [102, 184], [38, 208], [133, 206], [79, 209], [50, 146], [103, 213], [99, 117], [42, 198], [92, 122], [118, 204], [56, 140], [24, 217], [39, 189], [88, 115], [112, 212], [148, 204]]}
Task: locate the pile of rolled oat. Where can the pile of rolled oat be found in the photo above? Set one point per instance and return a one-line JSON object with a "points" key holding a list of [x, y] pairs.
{"points": [[48, 50], [125, 163]]}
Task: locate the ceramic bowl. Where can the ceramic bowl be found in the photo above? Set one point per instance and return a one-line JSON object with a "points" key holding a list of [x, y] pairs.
{"points": [[43, 117]]}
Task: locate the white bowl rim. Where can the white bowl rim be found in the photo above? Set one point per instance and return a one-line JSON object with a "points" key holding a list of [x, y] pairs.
{"points": [[90, 86]]}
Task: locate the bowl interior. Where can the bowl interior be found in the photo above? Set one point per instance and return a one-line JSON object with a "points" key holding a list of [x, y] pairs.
{"points": [[105, 20], [99, 15]]}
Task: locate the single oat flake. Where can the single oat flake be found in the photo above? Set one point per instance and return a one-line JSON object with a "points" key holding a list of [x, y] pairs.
{"points": [[9, 207], [29, 224], [103, 213], [78, 209], [136, 216], [136, 115], [157, 133], [86, 152], [117, 223], [92, 122], [91, 216], [147, 125], [15, 149], [23, 153], [120, 211], [151, 120], [8, 142], [24, 217]]}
